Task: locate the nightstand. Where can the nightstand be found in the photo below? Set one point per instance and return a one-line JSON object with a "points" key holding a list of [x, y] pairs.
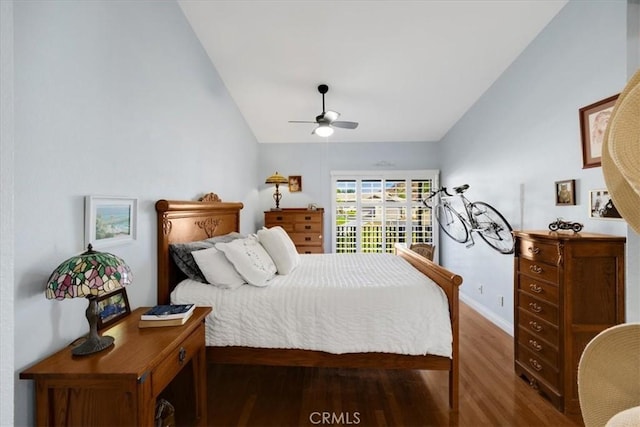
{"points": [[120, 386]]}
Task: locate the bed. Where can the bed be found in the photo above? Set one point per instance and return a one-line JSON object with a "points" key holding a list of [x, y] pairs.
{"points": [[190, 221]]}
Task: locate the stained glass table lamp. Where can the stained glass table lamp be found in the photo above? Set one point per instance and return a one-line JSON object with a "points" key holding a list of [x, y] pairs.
{"points": [[89, 275]]}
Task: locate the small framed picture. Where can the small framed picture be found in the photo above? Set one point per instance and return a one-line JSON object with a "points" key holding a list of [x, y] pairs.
{"points": [[601, 206], [109, 220], [112, 307], [566, 192], [295, 183], [593, 123]]}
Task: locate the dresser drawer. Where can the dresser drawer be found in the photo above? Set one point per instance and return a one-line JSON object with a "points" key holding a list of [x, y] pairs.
{"points": [[542, 309], [309, 227], [310, 249], [306, 239], [541, 328], [538, 270], [277, 218], [182, 354], [308, 217], [288, 227], [538, 288], [537, 251], [538, 366], [538, 346]]}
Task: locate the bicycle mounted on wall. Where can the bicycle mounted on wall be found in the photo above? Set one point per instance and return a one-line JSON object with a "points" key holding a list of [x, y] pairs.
{"points": [[480, 217]]}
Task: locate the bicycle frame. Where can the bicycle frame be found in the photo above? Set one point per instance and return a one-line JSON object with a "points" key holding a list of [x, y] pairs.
{"points": [[469, 220]]}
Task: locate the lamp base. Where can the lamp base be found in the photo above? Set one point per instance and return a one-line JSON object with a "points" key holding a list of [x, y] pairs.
{"points": [[93, 344]]}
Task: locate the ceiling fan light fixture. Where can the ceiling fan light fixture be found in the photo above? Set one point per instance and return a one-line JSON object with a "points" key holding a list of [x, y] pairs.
{"points": [[323, 130]]}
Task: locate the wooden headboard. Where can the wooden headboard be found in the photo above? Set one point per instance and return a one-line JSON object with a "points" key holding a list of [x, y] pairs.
{"points": [[189, 221]]}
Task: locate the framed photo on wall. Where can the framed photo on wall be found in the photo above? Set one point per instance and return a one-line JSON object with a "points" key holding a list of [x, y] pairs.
{"points": [[112, 307], [295, 183], [601, 206], [109, 220], [566, 192], [593, 123]]}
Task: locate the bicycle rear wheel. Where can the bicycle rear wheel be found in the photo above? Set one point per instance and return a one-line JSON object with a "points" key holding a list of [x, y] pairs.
{"points": [[451, 223], [492, 227]]}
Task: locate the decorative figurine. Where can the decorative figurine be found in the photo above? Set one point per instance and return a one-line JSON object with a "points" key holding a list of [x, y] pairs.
{"points": [[560, 224]]}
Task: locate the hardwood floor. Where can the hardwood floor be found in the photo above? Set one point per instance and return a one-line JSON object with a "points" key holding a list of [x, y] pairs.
{"points": [[490, 392]]}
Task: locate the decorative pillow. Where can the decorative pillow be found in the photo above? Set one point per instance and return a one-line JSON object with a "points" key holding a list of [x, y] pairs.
{"points": [[181, 254], [217, 269], [280, 248], [250, 259]]}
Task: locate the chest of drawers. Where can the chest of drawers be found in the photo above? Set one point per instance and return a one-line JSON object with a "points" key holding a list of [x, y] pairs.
{"points": [[567, 289], [304, 226]]}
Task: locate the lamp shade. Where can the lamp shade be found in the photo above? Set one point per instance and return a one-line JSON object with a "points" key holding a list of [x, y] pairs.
{"points": [[276, 178], [90, 273]]}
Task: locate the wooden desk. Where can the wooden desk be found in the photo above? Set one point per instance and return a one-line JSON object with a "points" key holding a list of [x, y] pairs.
{"points": [[119, 386]]}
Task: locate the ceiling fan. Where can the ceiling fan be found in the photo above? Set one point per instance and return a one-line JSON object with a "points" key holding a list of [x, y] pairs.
{"points": [[328, 119]]}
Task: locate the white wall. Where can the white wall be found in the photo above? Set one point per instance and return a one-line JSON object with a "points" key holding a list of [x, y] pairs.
{"points": [[6, 214], [523, 135], [314, 162], [111, 98]]}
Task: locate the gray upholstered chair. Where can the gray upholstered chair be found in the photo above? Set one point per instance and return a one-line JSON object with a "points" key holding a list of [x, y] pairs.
{"points": [[609, 378]]}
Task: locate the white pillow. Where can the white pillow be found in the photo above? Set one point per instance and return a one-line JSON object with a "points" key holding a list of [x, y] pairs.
{"points": [[250, 259], [217, 269], [280, 248]]}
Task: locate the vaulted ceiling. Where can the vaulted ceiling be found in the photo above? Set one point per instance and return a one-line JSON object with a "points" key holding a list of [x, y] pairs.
{"points": [[405, 70]]}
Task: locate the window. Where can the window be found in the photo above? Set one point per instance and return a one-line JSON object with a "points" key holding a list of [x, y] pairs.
{"points": [[374, 210]]}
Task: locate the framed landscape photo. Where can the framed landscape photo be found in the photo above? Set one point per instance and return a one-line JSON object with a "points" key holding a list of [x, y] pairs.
{"points": [[566, 192], [112, 307], [593, 123], [601, 206], [109, 220], [295, 183]]}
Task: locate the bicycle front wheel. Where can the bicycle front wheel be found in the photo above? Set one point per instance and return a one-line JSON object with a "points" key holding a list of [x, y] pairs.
{"points": [[451, 223], [492, 227]]}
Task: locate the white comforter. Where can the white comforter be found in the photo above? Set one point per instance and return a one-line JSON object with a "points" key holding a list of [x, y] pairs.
{"points": [[337, 303]]}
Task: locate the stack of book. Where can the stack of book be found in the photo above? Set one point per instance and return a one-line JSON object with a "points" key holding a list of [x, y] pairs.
{"points": [[166, 315]]}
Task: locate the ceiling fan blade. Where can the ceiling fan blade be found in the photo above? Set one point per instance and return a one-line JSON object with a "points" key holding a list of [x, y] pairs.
{"points": [[344, 125], [330, 116], [300, 121]]}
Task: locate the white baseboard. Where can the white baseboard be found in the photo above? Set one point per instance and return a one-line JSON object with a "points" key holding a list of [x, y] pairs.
{"points": [[488, 314]]}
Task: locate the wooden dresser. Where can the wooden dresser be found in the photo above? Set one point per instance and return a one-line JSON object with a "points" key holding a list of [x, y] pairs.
{"points": [[119, 386], [304, 226], [568, 288]]}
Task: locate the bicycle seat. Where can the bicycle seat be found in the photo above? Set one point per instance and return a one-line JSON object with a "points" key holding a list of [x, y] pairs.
{"points": [[461, 189]]}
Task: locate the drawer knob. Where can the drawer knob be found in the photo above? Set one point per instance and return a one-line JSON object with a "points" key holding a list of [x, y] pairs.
{"points": [[535, 268], [307, 227], [534, 384], [533, 250], [535, 307], [307, 218], [535, 288], [307, 239], [182, 354], [278, 218], [534, 344], [534, 325], [535, 364]]}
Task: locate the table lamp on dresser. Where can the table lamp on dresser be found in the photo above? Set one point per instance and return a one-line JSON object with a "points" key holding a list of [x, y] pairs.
{"points": [[89, 275], [276, 179]]}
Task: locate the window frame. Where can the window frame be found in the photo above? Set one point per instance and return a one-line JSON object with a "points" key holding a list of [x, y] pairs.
{"points": [[383, 176]]}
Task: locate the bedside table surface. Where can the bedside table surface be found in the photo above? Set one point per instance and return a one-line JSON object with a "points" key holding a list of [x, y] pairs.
{"points": [[134, 352]]}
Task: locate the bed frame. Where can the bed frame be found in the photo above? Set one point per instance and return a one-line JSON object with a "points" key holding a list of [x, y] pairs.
{"points": [[187, 221]]}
